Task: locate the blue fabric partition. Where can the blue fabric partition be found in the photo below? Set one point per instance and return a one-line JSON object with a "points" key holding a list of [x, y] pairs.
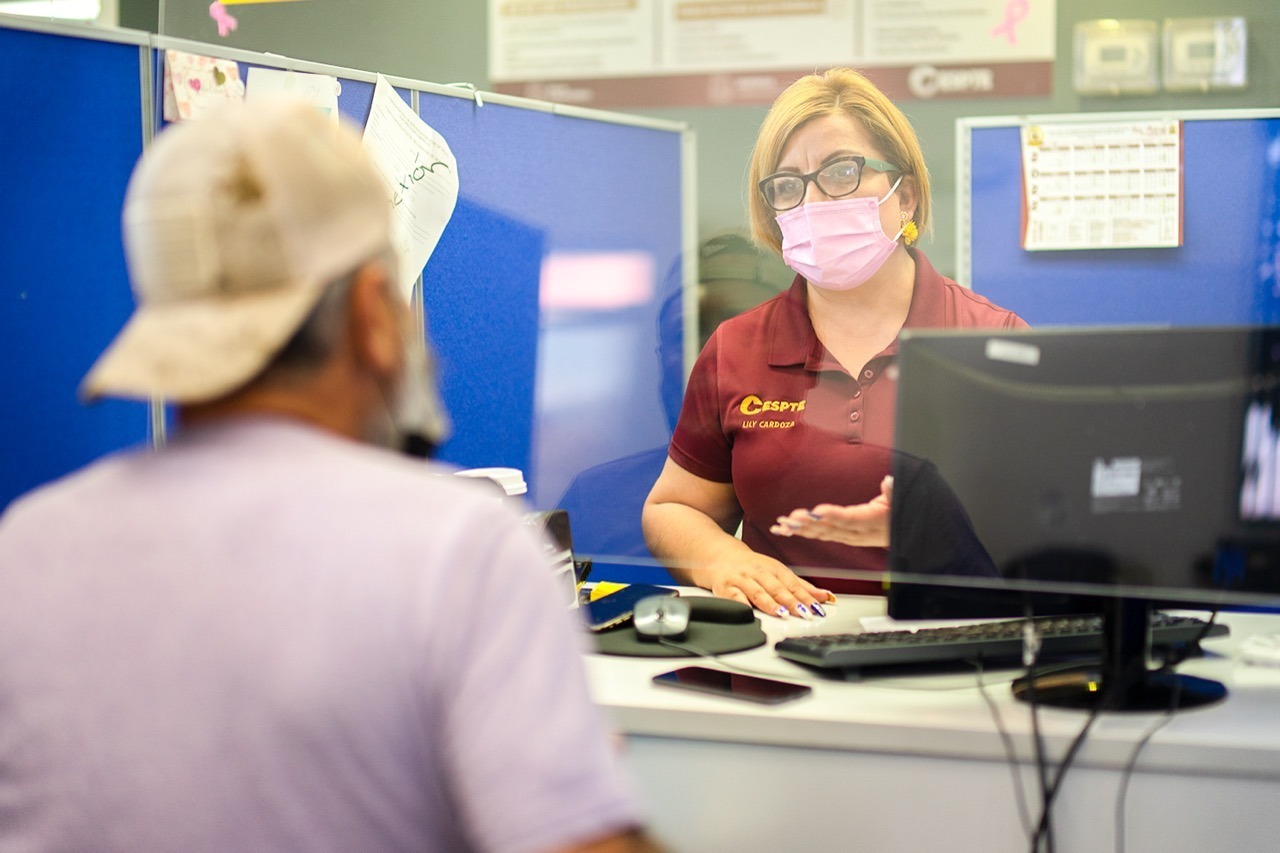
{"points": [[480, 292], [566, 392], [562, 387], [72, 111], [1223, 274]]}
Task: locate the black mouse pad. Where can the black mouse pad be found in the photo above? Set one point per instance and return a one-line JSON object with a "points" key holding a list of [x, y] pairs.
{"points": [[708, 638], [709, 608]]}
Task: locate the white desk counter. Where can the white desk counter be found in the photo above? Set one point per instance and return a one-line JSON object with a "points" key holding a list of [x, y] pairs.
{"points": [[920, 762]]}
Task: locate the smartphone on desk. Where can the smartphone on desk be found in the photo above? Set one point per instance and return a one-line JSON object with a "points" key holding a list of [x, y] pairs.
{"points": [[719, 682], [616, 607]]}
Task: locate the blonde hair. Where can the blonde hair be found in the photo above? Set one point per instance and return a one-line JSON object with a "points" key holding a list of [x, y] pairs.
{"points": [[832, 92]]}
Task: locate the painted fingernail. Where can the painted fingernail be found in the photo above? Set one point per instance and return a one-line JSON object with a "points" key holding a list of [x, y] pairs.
{"points": [[803, 611], [781, 611], [817, 608], [815, 516]]}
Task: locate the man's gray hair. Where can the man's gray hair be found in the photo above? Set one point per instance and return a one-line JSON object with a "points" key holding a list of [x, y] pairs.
{"points": [[318, 336]]}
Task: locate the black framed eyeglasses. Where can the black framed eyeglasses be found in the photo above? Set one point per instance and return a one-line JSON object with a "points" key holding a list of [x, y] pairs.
{"points": [[785, 190]]}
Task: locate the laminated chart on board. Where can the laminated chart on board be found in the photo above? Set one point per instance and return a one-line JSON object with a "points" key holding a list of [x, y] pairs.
{"points": [[1113, 185]]}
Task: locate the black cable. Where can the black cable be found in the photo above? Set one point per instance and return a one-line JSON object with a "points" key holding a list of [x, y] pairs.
{"points": [[1010, 753], [1044, 828], [1031, 653], [745, 670], [1129, 767], [1173, 657]]}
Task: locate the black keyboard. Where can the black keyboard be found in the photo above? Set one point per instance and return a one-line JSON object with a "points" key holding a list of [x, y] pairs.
{"points": [[992, 642]]}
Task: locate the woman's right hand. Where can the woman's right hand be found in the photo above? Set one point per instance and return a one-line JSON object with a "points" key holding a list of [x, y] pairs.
{"points": [[688, 523], [764, 583]]}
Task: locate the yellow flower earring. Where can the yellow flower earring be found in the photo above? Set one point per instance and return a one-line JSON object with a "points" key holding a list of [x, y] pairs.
{"points": [[910, 233]]}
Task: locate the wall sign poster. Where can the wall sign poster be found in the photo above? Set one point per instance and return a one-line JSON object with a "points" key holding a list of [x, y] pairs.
{"points": [[1110, 185], [629, 53]]}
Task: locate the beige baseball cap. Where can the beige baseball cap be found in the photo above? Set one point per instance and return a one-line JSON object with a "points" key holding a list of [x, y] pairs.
{"points": [[233, 225]]}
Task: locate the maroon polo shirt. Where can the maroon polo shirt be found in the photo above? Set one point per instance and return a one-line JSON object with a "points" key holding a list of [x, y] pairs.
{"points": [[769, 410]]}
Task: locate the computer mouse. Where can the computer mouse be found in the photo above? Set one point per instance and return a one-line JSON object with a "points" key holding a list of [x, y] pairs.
{"points": [[661, 617]]}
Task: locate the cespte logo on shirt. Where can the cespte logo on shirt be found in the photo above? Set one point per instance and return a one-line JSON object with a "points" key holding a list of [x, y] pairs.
{"points": [[753, 406]]}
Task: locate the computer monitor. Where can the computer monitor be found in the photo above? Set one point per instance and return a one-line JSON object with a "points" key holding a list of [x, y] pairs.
{"points": [[1088, 470]]}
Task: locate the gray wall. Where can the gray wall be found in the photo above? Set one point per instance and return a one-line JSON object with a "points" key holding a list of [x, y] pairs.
{"points": [[444, 41]]}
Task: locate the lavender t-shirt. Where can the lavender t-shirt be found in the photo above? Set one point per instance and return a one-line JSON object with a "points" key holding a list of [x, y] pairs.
{"points": [[264, 637]]}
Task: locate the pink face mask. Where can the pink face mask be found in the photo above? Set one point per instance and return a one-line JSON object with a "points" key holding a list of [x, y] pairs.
{"points": [[837, 245]]}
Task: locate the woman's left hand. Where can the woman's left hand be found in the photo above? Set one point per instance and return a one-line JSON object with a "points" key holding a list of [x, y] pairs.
{"points": [[865, 525]]}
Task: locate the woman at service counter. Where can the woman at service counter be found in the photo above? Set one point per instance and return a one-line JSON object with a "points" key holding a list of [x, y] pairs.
{"points": [[791, 404]]}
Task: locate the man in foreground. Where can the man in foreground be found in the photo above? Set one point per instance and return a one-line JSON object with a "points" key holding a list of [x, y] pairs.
{"points": [[271, 635]]}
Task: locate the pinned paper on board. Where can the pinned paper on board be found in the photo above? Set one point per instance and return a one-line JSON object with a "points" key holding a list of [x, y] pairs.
{"points": [[193, 84], [421, 174], [319, 90], [1108, 185]]}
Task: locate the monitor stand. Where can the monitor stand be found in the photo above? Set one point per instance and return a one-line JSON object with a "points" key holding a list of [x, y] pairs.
{"points": [[1123, 679]]}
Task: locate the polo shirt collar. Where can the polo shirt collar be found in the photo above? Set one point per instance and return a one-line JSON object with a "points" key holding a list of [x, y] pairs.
{"points": [[928, 298], [791, 335], [792, 340]]}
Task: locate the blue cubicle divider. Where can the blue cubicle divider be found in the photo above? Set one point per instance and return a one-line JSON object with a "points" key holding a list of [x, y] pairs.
{"points": [[533, 183], [1221, 275], [72, 109], [557, 391], [563, 392]]}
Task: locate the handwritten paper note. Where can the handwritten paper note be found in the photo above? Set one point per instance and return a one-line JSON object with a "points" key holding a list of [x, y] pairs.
{"points": [[421, 174], [1113, 185]]}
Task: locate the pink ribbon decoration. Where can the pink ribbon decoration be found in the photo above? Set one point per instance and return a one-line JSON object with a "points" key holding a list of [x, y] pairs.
{"points": [[226, 23], [1015, 12]]}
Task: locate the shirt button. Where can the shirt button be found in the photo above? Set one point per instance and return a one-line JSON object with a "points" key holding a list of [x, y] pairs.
{"points": [[868, 374], [857, 392], [855, 417]]}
